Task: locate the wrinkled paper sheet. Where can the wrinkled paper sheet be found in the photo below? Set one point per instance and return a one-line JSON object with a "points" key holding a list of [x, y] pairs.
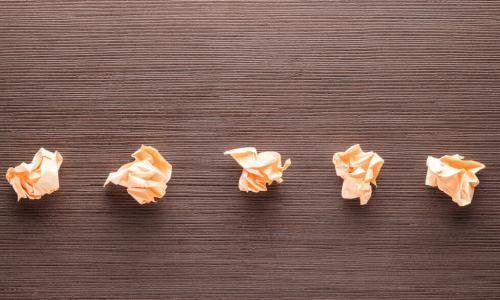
{"points": [[38, 178], [145, 178], [259, 169], [454, 176], [359, 170]]}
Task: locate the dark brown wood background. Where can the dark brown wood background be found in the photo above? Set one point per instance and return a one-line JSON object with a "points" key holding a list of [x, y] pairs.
{"points": [[95, 79]]}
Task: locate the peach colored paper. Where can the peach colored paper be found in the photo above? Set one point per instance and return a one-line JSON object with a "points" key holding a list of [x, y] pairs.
{"points": [[259, 169], [359, 170], [145, 178], [454, 176], [38, 178]]}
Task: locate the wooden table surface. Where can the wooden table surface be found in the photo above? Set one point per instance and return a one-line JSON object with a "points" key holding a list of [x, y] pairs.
{"points": [[96, 79]]}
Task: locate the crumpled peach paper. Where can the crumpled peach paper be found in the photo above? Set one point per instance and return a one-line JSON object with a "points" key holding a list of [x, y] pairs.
{"points": [[358, 169], [38, 178], [259, 169], [145, 178], [454, 176]]}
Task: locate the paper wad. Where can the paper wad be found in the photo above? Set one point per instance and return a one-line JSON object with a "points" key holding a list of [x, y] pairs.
{"points": [[38, 178], [259, 169], [145, 178], [454, 176], [359, 170]]}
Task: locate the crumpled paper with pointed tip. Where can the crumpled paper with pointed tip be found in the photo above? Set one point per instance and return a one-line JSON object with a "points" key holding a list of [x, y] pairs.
{"points": [[259, 169], [454, 176], [145, 178], [359, 170], [38, 178]]}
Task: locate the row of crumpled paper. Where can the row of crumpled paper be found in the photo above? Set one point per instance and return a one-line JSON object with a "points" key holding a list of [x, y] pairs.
{"points": [[147, 176]]}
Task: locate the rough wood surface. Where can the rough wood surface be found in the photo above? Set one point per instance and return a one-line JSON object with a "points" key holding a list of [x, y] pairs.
{"points": [[95, 79]]}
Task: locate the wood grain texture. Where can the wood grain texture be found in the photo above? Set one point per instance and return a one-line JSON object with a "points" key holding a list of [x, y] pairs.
{"points": [[95, 79]]}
